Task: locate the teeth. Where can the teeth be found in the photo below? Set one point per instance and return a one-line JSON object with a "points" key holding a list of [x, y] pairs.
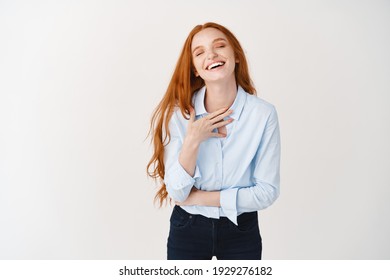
{"points": [[211, 66]]}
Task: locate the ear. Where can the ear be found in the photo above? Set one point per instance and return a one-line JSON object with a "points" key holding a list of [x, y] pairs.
{"points": [[196, 73], [237, 61]]}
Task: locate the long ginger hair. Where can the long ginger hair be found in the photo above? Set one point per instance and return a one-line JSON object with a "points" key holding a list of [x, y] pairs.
{"points": [[179, 94]]}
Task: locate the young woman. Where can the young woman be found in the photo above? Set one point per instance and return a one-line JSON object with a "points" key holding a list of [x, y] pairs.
{"points": [[216, 150]]}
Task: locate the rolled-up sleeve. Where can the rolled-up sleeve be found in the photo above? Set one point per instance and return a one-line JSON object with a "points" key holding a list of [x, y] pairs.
{"points": [[178, 182], [266, 176]]}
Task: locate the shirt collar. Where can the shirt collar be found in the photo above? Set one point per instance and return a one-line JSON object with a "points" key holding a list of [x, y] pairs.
{"points": [[199, 102], [237, 105]]}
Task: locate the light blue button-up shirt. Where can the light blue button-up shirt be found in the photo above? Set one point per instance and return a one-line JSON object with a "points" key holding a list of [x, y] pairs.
{"points": [[243, 166]]}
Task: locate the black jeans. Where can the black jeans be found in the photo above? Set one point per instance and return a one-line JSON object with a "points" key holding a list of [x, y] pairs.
{"points": [[195, 237]]}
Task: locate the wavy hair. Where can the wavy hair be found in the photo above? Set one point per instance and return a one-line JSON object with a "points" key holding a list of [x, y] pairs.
{"points": [[179, 93]]}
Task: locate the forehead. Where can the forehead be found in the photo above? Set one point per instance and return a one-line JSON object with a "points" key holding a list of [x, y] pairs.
{"points": [[206, 36]]}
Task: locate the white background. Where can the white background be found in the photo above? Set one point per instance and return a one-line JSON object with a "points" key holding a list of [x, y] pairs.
{"points": [[80, 79]]}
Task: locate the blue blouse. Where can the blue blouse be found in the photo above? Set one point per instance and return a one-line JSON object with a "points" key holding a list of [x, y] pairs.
{"points": [[244, 166]]}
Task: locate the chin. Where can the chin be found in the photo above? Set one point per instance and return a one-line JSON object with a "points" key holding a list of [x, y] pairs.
{"points": [[219, 78]]}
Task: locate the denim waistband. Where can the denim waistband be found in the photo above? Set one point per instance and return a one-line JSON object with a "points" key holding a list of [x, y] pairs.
{"points": [[243, 216]]}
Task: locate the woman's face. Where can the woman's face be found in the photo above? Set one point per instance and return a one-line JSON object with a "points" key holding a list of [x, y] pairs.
{"points": [[212, 56]]}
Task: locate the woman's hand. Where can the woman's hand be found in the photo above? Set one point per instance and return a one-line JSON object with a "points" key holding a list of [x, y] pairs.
{"points": [[202, 129], [203, 198], [198, 131]]}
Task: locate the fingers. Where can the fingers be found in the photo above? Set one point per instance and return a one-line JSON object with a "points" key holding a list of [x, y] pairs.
{"points": [[217, 135], [206, 127], [217, 118], [221, 123], [218, 113]]}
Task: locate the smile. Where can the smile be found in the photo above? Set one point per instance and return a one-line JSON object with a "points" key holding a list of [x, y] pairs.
{"points": [[215, 65]]}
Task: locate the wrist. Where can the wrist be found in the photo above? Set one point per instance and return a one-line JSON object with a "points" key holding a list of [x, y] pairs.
{"points": [[191, 143], [207, 198]]}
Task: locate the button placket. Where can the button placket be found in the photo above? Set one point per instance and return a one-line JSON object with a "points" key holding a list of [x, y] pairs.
{"points": [[218, 165]]}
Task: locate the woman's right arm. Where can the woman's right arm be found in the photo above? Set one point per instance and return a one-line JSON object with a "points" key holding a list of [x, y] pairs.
{"points": [[180, 155]]}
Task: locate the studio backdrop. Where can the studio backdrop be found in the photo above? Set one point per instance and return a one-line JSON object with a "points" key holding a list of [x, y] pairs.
{"points": [[79, 81]]}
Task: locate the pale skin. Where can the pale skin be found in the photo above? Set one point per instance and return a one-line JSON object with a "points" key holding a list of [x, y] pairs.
{"points": [[209, 46]]}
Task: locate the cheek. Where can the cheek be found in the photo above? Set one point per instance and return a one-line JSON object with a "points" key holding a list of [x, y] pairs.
{"points": [[197, 66]]}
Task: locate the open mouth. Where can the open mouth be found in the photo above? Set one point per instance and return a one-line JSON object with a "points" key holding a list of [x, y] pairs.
{"points": [[215, 65]]}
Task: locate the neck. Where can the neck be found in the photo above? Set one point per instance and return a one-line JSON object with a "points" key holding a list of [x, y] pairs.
{"points": [[220, 95]]}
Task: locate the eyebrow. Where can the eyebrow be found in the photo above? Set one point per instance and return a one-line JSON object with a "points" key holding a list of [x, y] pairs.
{"points": [[215, 40]]}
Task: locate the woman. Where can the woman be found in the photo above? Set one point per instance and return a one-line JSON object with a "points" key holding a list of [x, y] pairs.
{"points": [[216, 150]]}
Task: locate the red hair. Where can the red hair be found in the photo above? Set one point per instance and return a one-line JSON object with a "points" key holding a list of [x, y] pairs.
{"points": [[179, 94]]}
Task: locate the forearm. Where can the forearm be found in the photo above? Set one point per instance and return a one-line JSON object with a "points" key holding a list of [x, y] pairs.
{"points": [[188, 155], [202, 198], [210, 198], [251, 198]]}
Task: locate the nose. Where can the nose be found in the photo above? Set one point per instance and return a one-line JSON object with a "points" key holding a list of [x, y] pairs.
{"points": [[211, 54]]}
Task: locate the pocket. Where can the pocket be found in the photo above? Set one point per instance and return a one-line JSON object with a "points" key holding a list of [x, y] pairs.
{"points": [[180, 220], [247, 222]]}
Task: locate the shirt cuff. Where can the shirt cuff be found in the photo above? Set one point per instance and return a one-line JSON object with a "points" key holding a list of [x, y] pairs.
{"points": [[196, 173], [228, 201], [179, 183]]}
